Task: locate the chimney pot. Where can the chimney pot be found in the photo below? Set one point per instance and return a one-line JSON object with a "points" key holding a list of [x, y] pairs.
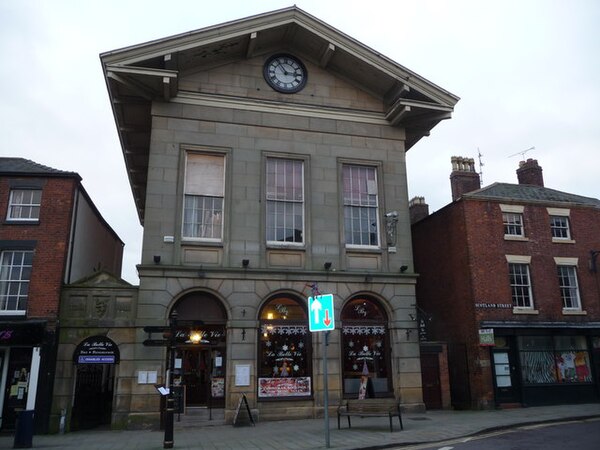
{"points": [[463, 178], [529, 172], [417, 209]]}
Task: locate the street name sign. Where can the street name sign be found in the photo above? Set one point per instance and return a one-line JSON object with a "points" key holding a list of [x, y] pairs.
{"points": [[320, 313]]}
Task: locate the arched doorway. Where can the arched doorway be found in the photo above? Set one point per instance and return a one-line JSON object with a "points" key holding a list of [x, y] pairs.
{"points": [[201, 350], [365, 349], [95, 359]]}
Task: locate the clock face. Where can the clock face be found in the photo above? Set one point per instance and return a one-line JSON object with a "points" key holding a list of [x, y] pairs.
{"points": [[285, 73]]}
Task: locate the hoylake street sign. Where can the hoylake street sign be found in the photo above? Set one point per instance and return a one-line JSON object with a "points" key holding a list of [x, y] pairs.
{"points": [[320, 313]]}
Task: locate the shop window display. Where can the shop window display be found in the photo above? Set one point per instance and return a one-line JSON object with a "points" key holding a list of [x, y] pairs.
{"points": [[558, 359], [365, 349], [284, 355]]}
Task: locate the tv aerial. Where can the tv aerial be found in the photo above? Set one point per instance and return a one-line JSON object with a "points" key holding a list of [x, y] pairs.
{"points": [[522, 152]]}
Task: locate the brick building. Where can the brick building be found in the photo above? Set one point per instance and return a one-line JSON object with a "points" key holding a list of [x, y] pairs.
{"points": [[267, 161], [50, 234], [508, 278]]}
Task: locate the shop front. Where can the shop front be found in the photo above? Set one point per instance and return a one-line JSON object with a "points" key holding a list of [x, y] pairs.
{"points": [[545, 366], [199, 371], [20, 359]]}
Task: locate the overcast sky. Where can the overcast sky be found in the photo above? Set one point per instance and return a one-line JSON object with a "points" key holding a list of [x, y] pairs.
{"points": [[527, 73]]}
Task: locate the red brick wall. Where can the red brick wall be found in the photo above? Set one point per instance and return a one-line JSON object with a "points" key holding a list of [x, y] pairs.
{"points": [[52, 236], [460, 255]]}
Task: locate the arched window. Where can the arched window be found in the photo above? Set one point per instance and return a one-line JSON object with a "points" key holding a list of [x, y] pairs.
{"points": [[284, 349], [365, 349]]}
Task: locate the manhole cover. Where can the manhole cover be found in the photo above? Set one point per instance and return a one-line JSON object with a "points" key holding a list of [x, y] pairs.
{"points": [[419, 418]]}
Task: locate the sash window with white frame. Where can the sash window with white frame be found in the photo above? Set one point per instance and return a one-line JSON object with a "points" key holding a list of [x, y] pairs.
{"points": [[15, 273], [285, 201], [203, 197], [560, 227], [569, 290], [24, 204], [520, 285], [361, 222]]}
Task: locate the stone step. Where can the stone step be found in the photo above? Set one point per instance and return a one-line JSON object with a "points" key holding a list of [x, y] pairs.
{"points": [[200, 417]]}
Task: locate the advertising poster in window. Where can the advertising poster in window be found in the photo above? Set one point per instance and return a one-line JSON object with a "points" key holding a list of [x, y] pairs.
{"points": [[283, 387], [217, 387]]}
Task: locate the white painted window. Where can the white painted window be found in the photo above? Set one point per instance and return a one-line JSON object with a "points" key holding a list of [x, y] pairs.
{"points": [[520, 285], [203, 197], [24, 204], [285, 201], [15, 273], [569, 288], [361, 218], [513, 224]]}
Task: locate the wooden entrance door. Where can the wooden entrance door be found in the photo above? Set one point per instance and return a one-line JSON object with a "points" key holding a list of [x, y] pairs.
{"points": [[430, 377]]}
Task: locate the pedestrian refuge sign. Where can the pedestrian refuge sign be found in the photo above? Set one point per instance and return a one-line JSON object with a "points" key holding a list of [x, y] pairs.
{"points": [[320, 313]]}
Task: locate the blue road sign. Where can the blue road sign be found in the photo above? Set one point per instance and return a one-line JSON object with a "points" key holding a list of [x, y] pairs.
{"points": [[320, 313]]}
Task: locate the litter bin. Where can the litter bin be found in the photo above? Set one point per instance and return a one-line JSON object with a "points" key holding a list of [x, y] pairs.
{"points": [[24, 431]]}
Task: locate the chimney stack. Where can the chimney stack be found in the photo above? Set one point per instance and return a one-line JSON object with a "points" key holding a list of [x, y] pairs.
{"points": [[463, 178], [418, 209], [529, 172]]}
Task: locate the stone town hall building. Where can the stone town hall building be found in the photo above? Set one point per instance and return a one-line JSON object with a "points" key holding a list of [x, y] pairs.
{"points": [[267, 160]]}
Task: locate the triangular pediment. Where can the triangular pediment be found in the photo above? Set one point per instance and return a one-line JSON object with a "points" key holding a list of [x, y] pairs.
{"points": [[162, 70], [101, 279]]}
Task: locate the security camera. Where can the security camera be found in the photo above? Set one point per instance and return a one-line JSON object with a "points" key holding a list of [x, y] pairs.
{"points": [[392, 214]]}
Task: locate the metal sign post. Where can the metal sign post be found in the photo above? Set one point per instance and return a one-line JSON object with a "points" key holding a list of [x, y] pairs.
{"points": [[321, 318], [325, 388]]}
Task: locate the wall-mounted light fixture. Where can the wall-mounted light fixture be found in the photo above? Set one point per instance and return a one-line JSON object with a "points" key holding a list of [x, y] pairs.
{"points": [[327, 265], [156, 259], [403, 269], [245, 262]]}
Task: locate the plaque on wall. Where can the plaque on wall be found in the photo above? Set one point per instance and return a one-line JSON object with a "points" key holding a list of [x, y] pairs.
{"points": [[96, 350]]}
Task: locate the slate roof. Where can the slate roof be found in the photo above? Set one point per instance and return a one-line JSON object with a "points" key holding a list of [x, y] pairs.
{"points": [[531, 194], [22, 166]]}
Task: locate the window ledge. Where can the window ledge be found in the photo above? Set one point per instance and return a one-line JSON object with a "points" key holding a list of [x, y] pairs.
{"points": [[350, 249], [12, 313], [201, 243], [562, 241], [510, 237], [297, 247], [574, 312], [22, 222], [525, 311]]}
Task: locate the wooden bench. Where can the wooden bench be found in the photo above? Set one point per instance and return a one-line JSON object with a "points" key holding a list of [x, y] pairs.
{"points": [[370, 407]]}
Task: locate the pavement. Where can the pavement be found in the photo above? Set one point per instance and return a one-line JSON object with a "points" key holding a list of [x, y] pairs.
{"points": [[366, 433]]}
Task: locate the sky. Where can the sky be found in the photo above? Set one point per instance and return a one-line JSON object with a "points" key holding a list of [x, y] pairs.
{"points": [[527, 73]]}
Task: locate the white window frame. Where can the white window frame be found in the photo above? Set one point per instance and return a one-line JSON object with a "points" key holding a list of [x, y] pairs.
{"points": [[196, 190], [274, 198], [522, 261], [12, 282], [569, 264], [560, 213], [509, 213], [16, 207], [352, 204]]}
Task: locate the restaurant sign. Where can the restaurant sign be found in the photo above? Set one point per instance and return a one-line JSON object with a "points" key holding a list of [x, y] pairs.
{"points": [[283, 387], [96, 350]]}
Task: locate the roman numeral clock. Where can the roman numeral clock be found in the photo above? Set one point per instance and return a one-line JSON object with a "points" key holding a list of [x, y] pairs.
{"points": [[285, 73]]}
